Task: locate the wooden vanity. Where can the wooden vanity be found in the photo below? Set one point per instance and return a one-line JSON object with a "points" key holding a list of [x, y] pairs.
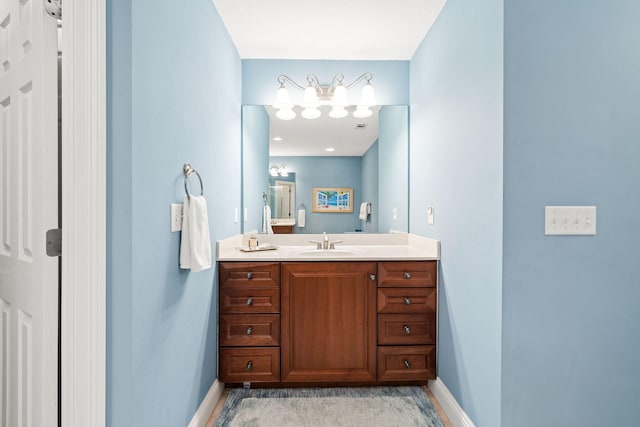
{"points": [[327, 322]]}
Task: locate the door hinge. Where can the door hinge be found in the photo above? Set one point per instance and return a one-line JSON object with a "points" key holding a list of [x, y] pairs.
{"points": [[53, 8], [54, 242]]}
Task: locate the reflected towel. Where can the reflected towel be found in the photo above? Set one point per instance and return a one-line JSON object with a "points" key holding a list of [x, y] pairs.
{"points": [[266, 220], [195, 243], [301, 218], [364, 210]]}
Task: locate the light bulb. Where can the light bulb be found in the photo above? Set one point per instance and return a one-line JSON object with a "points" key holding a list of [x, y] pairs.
{"points": [[338, 112], [311, 113], [340, 95], [286, 114], [362, 112], [282, 98], [273, 171], [310, 96], [368, 97], [283, 171]]}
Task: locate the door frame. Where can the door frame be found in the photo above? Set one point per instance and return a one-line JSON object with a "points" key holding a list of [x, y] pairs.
{"points": [[83, 176]]}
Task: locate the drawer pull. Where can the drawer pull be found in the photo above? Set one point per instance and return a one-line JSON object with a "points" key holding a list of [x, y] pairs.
{"points": [[372, 277], [249, 365], [249, 276], [249, 301], [407, 275], [249, 330], [407, 329], [407, 300], [406, 364]]}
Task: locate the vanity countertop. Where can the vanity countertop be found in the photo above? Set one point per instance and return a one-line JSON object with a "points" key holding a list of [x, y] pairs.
{"points": [[354, 247]]}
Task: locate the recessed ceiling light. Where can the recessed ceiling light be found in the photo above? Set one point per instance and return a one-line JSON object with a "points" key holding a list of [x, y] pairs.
{"points": [[276, 138], [330, 149]]}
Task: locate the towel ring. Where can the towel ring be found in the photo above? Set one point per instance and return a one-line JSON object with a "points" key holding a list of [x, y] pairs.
{"points": [[188, 170]]}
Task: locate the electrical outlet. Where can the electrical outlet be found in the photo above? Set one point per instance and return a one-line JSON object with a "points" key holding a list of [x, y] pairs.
{"points": [[176, 217], [235, 216], [394, 213], [430, 215], [569, 220]]}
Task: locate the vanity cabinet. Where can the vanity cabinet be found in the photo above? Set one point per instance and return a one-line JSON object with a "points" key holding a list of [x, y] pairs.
{"points": [[406, 303], [328, 322], [249, 321], [282, 229]]}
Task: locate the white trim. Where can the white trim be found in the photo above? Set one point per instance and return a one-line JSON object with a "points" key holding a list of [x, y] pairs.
{"points": [[208, 405], [449, 404], [83, 172]]}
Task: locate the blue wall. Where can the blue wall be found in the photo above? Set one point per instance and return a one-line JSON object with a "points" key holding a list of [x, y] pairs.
{"points": [[174, 93], [571, 352], [255, 157], [259, 78], [370, 187], [325, 172], [393, 185], [456, 166]]}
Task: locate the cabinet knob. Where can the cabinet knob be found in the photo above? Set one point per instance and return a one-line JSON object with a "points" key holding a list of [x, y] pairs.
{"points": [[406, 364], [249, 365], [372, 277], [249, 301], [407, 300], [407, 275], [249, 330], [407, 329], [249, 275]]}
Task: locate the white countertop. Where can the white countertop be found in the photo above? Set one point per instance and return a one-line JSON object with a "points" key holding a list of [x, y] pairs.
{"points": [[354, 247]]}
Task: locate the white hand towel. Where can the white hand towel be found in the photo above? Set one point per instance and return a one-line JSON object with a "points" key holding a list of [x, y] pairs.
{"points": [[266, 220], [301, 218], [195, 244], [364, 210]]}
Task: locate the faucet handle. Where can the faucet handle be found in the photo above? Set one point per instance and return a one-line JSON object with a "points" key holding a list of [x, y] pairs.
{"points": [[332, 245], [317, 242]]}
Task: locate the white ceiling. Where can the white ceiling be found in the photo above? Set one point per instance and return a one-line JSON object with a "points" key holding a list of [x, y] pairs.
{"points": [[328, 29], [325, 30]]}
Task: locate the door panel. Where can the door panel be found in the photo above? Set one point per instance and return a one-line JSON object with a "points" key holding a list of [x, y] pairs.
{"points": [[28, 207]]}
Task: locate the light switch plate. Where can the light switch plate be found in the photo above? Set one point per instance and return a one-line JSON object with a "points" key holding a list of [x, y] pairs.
{"points": [[569, 220], [430, 215], [176, 217]]}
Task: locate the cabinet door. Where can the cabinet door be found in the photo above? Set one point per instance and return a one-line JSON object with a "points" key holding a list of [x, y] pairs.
{"points": [[328, 314]]}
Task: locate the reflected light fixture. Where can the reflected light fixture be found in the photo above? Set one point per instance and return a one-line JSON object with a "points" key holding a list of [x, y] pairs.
{"points": [[275, 170], [315, 94]]}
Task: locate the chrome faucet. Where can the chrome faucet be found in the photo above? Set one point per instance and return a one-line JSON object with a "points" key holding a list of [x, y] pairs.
{"points": [[325, 243]]}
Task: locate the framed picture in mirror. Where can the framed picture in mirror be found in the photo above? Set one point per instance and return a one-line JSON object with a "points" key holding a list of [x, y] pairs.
{"points": [[338, 199]]}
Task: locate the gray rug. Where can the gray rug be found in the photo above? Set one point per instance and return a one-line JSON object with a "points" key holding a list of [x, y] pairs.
{"points": [[320, 407]]}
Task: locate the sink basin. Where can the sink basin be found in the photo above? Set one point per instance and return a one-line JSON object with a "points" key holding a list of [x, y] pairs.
{"points": [[326, 252]]}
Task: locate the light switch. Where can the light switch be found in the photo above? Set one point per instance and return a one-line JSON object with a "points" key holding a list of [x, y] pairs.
{"points": [[176, 217], [246, 215], [569, 220]]}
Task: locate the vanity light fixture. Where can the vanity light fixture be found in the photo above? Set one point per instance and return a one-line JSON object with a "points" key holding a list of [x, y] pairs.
{"points": [[276, 170], [330, 149], [315, 95]]}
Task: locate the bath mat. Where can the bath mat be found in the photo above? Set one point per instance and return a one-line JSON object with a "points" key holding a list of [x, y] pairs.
{"points": [[320, 407]]}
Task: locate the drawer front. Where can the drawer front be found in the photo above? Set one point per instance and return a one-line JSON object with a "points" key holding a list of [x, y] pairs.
{"points": [[407, 273], [251, 364], [249, 330], [249, 300], [406, 329], [406, 300], [406, 363], [253, 274]]}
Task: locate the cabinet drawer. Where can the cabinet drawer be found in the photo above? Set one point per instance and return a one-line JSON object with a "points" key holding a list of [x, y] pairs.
{"points": [[254, 274], [406, 363], [406, 300], [249, 300], [407, 274], [249, 330], [251, 364], [403, 329]]}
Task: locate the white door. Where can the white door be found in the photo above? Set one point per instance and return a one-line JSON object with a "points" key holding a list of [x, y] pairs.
{"points": [[28, 207]]}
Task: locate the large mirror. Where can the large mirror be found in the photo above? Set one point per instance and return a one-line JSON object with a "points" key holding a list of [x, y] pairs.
{"points": [[329, 175]]}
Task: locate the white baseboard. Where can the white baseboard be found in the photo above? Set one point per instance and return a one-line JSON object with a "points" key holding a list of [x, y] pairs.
{"points": [[449, 404], [208, 404]]}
